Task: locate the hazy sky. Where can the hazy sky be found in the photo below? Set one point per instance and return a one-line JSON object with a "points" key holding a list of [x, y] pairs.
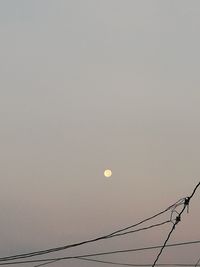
{"points": [[92, 84]]}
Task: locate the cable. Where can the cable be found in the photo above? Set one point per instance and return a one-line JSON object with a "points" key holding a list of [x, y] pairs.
{"points": [[178, 219], [142, 229], [120, 234], [173, 227], [102, 253], [183, 201], [46, 263], [197, 262], [113, 234], [134, 264]]}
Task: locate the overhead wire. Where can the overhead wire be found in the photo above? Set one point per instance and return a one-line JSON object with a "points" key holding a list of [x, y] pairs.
{"points": [[144, 228], [119, 232], [61, 248], [194, 242], [197, 262], [178, 219], [136, 264], [185, 203]]}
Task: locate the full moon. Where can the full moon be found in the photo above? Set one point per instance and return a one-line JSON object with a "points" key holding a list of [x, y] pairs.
{"points": [[107, 173]]}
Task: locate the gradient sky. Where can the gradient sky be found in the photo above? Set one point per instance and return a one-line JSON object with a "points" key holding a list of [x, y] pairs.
{"points": [[95, 84]]}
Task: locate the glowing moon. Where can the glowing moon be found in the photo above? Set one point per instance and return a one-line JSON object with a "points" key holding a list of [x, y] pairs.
{"points": [[107, 173]]}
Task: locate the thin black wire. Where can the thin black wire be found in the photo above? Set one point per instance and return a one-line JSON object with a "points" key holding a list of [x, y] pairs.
{"points": [[51, 250], [197, 262], [102, 253], [120, 234], [46, 263], [142, 229], [173, 210], [178, 219], [173, 227], [42, 252], [134, 264], [183, 201], [113, 234]]}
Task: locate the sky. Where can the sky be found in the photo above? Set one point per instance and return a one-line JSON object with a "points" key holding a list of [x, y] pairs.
{"points": [[90, 85]]}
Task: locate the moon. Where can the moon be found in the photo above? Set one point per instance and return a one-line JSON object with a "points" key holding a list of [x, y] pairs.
{"points": [[107, 173]]}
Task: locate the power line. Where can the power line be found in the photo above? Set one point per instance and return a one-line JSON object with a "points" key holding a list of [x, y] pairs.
{"points": [[178, 219], [185, 203], [142, 229], [194, 242], [135, 264], [197, 262], [46, 263], [113, 234], [173, 227], [56, 249], [120, 234]]}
